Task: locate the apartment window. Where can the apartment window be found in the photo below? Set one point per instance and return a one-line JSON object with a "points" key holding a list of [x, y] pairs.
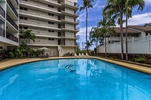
{"points": [[21, 37], [50, 30], [51, 14], [51, 6], [24, 18], [23, 8], [23, 27], [51, 39], [1, 47], [59, 33], [50, 22]]}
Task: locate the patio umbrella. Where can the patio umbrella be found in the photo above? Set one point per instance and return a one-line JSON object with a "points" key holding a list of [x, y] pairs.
{"points": [[43, 48]]}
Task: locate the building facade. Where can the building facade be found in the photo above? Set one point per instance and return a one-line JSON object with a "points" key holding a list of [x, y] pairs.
{"points": [[53, 22], [139, 40], [9, 23]]}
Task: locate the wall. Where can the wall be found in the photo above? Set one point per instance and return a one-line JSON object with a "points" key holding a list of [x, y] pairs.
{"points": [[137, 46], [68, 49], [52, 51]]}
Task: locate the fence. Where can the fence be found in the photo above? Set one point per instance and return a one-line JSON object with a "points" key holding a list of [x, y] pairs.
{"points": [[135, 46]]}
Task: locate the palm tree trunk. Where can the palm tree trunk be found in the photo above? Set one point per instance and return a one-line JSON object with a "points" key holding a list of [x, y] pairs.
{"points": [[126, 38], [86, 27], [121, 26], [105, 47], [96, 47]]}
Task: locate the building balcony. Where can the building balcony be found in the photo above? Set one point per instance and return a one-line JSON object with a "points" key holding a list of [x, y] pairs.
{"points": [[11, 21], [70, 5], [38, 15], [69, 22], [38, 24], [40, 7], [69, 30], [52, 2], [69, 14], [2, 32], [2, 12], [11, 37], [69, 38], [42, 42], [69, 45], [12, 7]]}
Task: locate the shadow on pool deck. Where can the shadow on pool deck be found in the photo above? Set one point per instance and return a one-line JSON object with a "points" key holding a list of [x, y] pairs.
{"points": [[10, 63]]}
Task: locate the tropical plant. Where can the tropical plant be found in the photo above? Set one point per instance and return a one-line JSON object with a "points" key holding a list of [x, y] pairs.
{"points": [[96, 36], [88, 45], [106, 25], [115, 10], [85, 6], [27, 35], [129, 5]]}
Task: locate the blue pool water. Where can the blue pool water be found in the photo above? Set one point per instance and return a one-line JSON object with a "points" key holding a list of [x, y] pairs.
{"points": [[91, 79]]}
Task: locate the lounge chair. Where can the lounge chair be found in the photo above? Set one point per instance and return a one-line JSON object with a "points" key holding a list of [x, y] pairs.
{"points": [[83, 54], [79, 54], [75, 54], [87, 54]]}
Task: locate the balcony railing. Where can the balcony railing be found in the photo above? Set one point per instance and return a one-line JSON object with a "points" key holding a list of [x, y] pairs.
{"points": [[11, 37], [12, 22], [12, 7], [2, 12], [2, 32]]}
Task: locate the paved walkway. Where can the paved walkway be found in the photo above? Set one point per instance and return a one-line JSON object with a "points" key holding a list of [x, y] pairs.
{"points": [[11, 63]]}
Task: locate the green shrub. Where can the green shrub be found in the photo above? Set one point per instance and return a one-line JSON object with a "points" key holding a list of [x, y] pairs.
{"points": [[11, 55], [140, 60]]}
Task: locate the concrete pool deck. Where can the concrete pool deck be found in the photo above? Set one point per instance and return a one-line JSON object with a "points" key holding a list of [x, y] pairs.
{"points": [[10, 63]]}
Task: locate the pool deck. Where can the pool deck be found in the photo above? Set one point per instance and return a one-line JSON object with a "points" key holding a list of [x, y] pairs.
{"points": [[10, 63]]}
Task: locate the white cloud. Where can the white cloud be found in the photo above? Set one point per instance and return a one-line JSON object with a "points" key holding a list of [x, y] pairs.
{"points": [[81, 17], [140, 19], [98, 6], [82, 31], [82, 35], [148, 1]]}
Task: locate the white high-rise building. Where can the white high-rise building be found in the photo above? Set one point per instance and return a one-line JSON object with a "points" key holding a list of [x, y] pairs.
{"points": [[9, 23], [53, 22]]}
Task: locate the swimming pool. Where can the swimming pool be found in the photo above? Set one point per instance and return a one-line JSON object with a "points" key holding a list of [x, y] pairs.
{"points": [[73, 79]]}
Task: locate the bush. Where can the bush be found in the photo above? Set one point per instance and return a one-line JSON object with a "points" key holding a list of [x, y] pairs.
{"points": [[139, 60], [11, 55], [68, 54]]}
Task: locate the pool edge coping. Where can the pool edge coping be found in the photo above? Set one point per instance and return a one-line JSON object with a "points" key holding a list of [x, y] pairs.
{"points": [[136, 67]]}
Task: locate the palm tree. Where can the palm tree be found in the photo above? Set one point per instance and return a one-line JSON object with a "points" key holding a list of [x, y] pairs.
{"points": [[88, 44], [27, 35], [115, 9], [96, 36], [129, 7], [105, 25], [86, 5]]}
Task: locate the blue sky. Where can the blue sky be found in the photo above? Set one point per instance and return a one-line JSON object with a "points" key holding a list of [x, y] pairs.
{"points": [[95, 14]]}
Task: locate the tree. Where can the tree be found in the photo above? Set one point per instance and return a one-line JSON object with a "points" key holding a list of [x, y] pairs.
{"points": [[96, 36], [129, 5], [115, 10], [106, 25], [27, 35], [88, 44], [85, 6]]}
